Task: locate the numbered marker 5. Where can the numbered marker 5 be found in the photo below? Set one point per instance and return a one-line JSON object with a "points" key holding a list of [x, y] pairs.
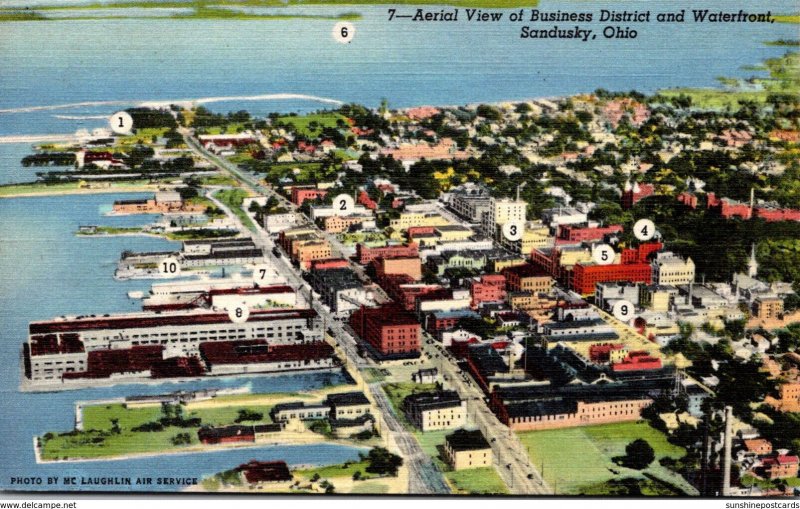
{"points": [[343, 32], [169, 266], [513, 230], [343, 205], [644, 229], [603, 254], [121, 122], [623, 310], [239, 313]]}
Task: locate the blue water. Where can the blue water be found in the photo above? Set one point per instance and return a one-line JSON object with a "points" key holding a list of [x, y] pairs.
{"points": [[46, 271]]}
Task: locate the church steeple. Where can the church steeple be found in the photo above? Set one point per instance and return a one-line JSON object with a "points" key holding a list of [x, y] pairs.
{"points": [[752, 264]]}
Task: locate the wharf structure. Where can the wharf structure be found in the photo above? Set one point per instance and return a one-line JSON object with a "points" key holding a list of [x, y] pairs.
{"points": [[173, 344]]}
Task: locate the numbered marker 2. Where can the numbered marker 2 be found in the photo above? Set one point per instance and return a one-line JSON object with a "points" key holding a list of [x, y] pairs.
{"points": [[343, 205], [513, 230], [239, 313], [623, 310], [644, 229], [343, 32], [121, 122], [603, 254], [169, 267]]}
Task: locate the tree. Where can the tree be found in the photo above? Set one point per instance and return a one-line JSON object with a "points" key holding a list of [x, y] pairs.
{"points": [[357, 475], [638, 454], [383, 462]]}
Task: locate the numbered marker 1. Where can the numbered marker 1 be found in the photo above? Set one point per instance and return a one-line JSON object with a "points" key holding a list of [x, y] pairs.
{"points": [[623, 310], [262, 274], [343, 32], [169, 267], [513, 230], [239, 313], [343, 205], [121, 122], [603, 254], [644, 229]]}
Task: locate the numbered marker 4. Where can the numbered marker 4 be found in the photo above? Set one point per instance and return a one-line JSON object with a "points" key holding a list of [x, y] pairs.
{"points": [[513, 230], [121, 122], [343, 205], [169, 267], [623, 310], [239, 313], [644, 229], [603, 254], [343, 32]]}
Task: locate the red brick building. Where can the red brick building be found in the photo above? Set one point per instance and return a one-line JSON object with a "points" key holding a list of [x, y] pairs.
{"points": [[365, 254], [365, 200], [637, 361], [389, 329], [301, 194], [568, 233], [490, 288], [781, 467], [329, 263], [635, 193], [728, 208], [585, 277]]}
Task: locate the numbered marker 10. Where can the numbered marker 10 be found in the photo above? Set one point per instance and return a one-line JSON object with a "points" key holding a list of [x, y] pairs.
{"points": [[603, 254], [239, 313], [644, 229], [623, 310], [169, 267], [121, 122], [343, 205], [343, 32], [513, 230], [262, 274]]}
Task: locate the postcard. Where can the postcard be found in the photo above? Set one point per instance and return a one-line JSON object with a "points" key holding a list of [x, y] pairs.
{"points": [[511, 248]]}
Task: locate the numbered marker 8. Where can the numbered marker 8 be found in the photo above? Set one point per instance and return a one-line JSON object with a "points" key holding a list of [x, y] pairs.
{"points": [[239, 313], [169, 267], [513, 230], [343, 205], [603, 254], [121, 122], [343, 32], [623, 310], [644, 229]]}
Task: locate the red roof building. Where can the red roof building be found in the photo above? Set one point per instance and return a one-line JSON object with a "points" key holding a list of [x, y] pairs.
{"points": [[637, 361], [258, 472], [585, 277], [301, 194], [633, 194], [365, 200], [389, 329], [572, 234], [365, 254], [728, 208], [490, 288], [781, 467]]}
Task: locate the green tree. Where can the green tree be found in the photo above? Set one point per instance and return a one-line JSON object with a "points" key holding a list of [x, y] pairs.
{"points": [[638, 454]]}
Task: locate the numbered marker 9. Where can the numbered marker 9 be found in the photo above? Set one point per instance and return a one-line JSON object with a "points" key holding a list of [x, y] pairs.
{"points": [[603, 254], [343, 32], [121, 122], [513, 230], [343, 205], [262, 274], [169, 267], [623, 310], [239, 313], [644, 229]]}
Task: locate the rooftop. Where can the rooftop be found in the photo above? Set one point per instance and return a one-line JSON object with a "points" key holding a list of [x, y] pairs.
{"points": [[463, 440]]}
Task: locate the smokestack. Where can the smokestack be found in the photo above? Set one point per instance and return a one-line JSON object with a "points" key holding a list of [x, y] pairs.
{"points": [[752, 198], [726, 467]]}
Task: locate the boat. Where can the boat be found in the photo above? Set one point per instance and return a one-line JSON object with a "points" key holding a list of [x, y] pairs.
{"points": [[135, 294]]}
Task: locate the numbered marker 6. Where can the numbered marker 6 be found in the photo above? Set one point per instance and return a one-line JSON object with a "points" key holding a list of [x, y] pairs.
{"points": [[343, 32]]}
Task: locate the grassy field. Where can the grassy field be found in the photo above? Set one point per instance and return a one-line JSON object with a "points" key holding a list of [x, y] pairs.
{"points": [[476, 481], [233, 198], [302, 123], [334, 471], [99, 444], [572, 459], [9, 191]]}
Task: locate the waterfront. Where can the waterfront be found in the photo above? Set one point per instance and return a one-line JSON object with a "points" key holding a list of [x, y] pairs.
{"points": [[46, 271]]}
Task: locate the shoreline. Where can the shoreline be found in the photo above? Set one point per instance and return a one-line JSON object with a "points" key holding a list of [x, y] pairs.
{"points": [[65, 192], [307, 438]]}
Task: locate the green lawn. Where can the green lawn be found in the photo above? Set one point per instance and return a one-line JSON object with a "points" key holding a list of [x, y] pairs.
{"points": [[573, 459], [476, 481], [101, 444], [303, 123], [333, 471], [233, 198], [397, 392], [98, 417]]}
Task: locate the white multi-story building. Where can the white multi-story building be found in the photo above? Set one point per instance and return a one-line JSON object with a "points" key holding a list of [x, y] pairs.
{"points": [[671, 269], [502, 211], [431, 411]]}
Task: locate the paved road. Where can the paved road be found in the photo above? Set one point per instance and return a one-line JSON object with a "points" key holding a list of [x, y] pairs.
{"points": [[424, 478], [511, 459]]}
